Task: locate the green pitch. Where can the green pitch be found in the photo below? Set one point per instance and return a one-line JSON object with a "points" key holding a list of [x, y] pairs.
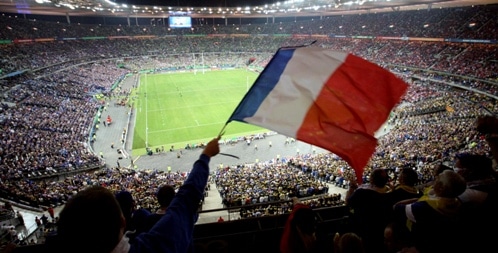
{"points": [[189, 108]]}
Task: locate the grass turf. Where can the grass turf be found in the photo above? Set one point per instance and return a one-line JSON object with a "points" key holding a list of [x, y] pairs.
{"points": [[180, 108]]}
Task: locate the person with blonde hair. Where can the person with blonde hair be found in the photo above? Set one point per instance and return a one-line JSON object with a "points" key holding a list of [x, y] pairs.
{"points": [[433, 218], [348, 243]]}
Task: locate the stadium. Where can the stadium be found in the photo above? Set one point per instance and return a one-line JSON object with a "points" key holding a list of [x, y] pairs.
{"points": [[127, 96]]}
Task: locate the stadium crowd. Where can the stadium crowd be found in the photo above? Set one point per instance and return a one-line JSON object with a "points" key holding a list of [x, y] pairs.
{"points": [[431, 23], [48, 114]]}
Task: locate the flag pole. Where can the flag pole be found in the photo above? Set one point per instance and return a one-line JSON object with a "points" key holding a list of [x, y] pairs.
{"points": [[222, 132]]}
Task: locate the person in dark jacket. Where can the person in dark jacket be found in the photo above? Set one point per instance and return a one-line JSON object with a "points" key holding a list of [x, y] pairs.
{"points": [[92, 221]]}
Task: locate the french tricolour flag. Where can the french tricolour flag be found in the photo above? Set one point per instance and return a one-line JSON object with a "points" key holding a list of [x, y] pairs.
{"points": [[330, 99]]}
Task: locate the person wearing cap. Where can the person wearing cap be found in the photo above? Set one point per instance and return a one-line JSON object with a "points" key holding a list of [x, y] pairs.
{"points": [[92, 220]]}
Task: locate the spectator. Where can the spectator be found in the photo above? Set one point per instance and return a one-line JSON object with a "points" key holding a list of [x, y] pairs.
{"points": [[480, 200], [127, 204], [44, 220], [370, 210], [164, 196], [299, 231], [50, 211], [348, 243], [38, 221], [397, 237], [406, 189], [488, 125], [6, 228], [13, 234], [480, 177], [93, 216], [427, 186], [432, 219], [20, 218]]}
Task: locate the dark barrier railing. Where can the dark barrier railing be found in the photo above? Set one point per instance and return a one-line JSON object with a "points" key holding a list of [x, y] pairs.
{"points": [[250, 235], [263, 234]]}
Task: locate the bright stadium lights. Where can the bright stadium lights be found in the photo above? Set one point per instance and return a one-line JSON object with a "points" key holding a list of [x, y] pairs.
{"points": [[279, 7], [110, 2]]}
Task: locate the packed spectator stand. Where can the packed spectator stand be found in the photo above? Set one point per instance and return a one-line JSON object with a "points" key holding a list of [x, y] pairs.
{"points": [[49, 110]]}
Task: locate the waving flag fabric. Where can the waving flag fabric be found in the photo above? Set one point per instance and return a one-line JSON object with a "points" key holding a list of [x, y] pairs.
{"points": [[330, 99]]}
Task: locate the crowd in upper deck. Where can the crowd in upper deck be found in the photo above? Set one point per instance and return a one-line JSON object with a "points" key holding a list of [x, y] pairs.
{"points": [[465, 23], [471, 22]]}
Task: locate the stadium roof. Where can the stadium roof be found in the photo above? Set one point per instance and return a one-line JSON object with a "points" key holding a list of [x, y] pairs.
{"points": [[271, 9]]}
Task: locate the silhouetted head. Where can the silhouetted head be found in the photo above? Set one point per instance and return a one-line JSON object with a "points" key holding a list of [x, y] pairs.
{"points": [[165, 195], [91, 221]]}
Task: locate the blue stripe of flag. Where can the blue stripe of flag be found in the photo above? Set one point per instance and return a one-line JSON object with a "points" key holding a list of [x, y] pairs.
{"points": [[263, 85]]}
